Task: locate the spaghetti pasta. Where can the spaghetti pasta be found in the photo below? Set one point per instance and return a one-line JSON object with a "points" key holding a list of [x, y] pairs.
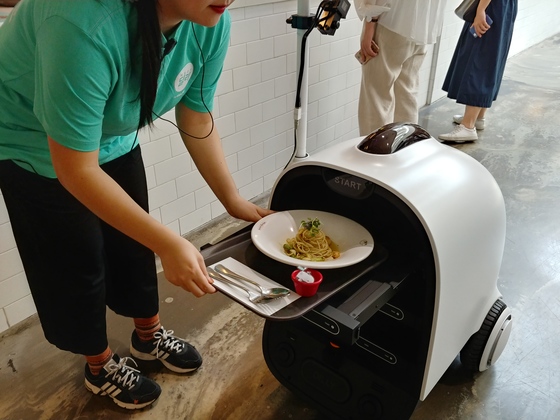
{"points": [[311, 243]]}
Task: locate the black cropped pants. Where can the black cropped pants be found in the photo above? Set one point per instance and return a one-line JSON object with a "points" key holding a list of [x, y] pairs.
{"points": [[76, 264]]}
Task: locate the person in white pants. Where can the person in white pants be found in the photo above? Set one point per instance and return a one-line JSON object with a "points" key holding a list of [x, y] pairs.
{"points": [[393, 46]]}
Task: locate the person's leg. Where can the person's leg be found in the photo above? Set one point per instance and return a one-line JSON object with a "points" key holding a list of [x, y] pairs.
{"points": [[132, 280], [376, 104], [131, 267], [146, 328], [96, 362], [479, 122], [406, 85], [61, 247], [131, 283], [471, 115]]}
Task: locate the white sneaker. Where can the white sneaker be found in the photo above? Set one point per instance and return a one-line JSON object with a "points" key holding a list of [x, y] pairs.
{"points": [[479, 124], [460, 134]]}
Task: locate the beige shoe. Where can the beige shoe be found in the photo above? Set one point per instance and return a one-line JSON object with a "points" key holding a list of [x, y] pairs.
{"points": [[461, 134], [479, 124]]}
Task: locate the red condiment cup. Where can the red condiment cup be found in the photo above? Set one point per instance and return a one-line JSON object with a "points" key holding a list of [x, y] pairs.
{"points": [[307, 289]]}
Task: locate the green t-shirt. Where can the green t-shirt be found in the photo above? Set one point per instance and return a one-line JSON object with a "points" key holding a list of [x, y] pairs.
{"points": [[66, 70]]}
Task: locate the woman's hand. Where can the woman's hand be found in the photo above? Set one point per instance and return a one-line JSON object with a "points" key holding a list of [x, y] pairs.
{"points": [[245, 210], [184, 267], [368, 47], [480, 25]]}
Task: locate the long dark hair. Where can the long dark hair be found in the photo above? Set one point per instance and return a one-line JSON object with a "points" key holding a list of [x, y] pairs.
{"points": [[149, 37]]}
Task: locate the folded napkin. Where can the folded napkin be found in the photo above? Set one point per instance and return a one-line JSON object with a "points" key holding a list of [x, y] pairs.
{"points": [[265, 309]]}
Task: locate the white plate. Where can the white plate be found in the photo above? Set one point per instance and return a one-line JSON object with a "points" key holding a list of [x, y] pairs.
{"points": [[354, 241]]}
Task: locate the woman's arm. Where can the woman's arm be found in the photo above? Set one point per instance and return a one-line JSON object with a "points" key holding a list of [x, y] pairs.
{"points": [[208, 156], [480, 25], [367, 45], [80, 174]]}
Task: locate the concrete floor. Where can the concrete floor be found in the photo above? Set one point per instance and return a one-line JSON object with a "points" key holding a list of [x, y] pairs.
{"points": [[520, 147]]}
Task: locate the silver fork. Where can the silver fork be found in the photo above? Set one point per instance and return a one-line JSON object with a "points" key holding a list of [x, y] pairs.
{"points": [[276, 291], [253, 296]]}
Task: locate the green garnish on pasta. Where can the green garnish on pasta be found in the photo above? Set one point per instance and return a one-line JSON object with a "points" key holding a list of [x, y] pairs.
{"points": [[311, 243]]}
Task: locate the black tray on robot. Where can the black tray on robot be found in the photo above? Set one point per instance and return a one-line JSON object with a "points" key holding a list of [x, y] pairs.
{"points": [[240, 247]]}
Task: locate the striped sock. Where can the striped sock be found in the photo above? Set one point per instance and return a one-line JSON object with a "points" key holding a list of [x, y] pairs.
{"points": [[147, 327], [96, 362]]}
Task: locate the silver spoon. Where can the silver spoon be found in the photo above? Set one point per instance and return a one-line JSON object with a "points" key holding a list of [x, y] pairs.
{"points": [[253, 296], [280, 291]]}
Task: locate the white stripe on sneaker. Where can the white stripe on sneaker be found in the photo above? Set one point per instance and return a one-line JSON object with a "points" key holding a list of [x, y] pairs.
{"points": [[111, 390]]}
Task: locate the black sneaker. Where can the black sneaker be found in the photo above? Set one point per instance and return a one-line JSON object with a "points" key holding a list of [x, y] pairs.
{"points": [[175, 353], [125, 385]]}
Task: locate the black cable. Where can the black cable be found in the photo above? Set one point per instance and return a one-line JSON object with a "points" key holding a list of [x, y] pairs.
{"points": [[314, 23], [201, 95]]}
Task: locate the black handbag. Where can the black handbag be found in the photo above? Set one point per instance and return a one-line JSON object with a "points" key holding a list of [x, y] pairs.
{"points": [[467, 10]]}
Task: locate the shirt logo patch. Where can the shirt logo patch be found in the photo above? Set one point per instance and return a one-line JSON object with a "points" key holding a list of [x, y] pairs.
{"points": [[183, 77]]}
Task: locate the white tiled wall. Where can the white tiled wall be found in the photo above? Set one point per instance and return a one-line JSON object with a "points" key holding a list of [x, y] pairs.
{"points": [[253, 111]]}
